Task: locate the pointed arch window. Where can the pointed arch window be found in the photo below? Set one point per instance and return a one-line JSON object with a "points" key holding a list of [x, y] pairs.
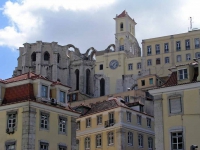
{"points": [[77, 79], [58, 58], [87, 81], [102, 87], [46, 56], [33, 56]]}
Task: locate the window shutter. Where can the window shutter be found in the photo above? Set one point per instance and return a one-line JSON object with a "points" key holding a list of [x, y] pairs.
{"points": [[175, 105]]}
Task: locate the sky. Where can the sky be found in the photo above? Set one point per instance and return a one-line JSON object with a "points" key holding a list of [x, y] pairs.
{"points": [[86, 23]]}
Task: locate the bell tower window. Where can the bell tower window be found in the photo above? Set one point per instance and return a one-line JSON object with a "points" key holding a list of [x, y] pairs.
{"points": [[121, 26]]}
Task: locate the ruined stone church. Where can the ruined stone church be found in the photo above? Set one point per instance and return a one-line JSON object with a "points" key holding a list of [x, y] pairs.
{"points": [[95, 72]]}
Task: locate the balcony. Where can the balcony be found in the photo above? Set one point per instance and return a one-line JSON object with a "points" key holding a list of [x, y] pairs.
{"points": [[187, 47], [109, 123], [178, 48]]}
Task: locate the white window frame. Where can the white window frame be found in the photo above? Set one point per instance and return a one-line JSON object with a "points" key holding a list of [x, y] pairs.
{"points": [[187, 44], [177, 136], [149, 122], [130, 66], [183, 75], [62, 125], [149, 62], [140, 141], [44, 144], [139, 119], [196, 43], [44, 121], [44, 91], [88, 122], [62, 147], [188, 57], [138, 65], [62, 96], [167, 61], [110, 138], [166, 47], [148, 50], [87, 143], [10, 145], [78, 125], [178, 58], [98, 140], [130, 138], [99, 119], [157, 49], [150, 143], [128, 116], [12, 120], [178, 45]]}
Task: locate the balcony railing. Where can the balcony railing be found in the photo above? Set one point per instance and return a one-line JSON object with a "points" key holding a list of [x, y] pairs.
{"points": [[109, 123], [52, 101]]}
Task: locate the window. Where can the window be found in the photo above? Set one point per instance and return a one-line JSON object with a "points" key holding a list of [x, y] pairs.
{"points": [[10, 145], [33, 56], [139, 120], [157, 61], [111, 118], [196, 42], [88, 122], [130, 138], [87, 143], [166, 47], [110, 138], [58, 58], [128, 115], [99, 119], [187, 44], [101, 67], [197, 55], [12, 120], [167, 60], [46, 56], [188, 57], [44, 91], [68, 98], [98, 140], [140, 140], [121, 47], [175, 105], [138, 65], [62, 96], [177, 141], [149, 122], [130, 66], [62, 147], [62, 125], [178, 45], [44, 146], [183, 74], [44, 120], [78, 125], [151, 81], [148, 50], [121, 26], [143, 82], [149, 62], [157, 49], [178, 58], [74, 97], [102, 87], [150, 143], [126, 98]]}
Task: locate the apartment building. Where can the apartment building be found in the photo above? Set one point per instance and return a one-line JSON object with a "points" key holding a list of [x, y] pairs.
{"points": [[35, 114]]}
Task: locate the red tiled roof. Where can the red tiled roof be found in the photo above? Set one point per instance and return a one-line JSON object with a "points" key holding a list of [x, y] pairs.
{"points": [[123, 14], [171, 81]]}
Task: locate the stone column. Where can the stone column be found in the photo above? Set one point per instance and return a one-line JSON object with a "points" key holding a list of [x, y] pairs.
{"points": [[159, 127], [73, 133], [38, 57], [121, 138], [29, 127], [39, 89], [172, 51]]}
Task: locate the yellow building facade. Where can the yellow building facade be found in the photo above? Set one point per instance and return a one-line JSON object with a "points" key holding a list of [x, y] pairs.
{"points": [[112, 125], [35, 115], [176, 109]]}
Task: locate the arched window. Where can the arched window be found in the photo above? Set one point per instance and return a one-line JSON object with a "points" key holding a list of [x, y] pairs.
{"points": [[130, 138], [121, 26], [87, 143], [33, 56], [150, 143], [87, 81], [77, 79], [46, 56], [98, 140], [102, 87], [110, 138], [58, 58]]}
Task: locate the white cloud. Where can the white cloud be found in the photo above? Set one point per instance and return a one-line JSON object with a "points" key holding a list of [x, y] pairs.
{"points": [[26, 17]]}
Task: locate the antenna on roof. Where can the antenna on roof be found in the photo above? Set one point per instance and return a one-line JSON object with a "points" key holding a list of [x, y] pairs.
{"points": [[190, 23]]}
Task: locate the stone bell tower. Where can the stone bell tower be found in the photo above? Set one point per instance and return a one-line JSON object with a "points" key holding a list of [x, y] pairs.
{"points": [[125, 35]]}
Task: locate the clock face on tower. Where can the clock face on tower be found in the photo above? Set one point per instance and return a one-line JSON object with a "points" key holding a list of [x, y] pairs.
{"points": [[113, 64]]}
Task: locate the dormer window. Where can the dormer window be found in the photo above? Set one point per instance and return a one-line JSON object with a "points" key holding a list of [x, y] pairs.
{"points": [[62, 96], [183, 74], [121, 26], [44, 91]]}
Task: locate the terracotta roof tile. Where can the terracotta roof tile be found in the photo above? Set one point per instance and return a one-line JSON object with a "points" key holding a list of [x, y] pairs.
{"points": [[123, 14], [171, 81]]}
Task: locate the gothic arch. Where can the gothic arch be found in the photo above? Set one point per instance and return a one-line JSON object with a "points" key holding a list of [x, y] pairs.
{"points": [[102, 87], [76, 50], [77, 78], [92, 54], [88, 75], [33, 56], [108, 48], [46, 56]]}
